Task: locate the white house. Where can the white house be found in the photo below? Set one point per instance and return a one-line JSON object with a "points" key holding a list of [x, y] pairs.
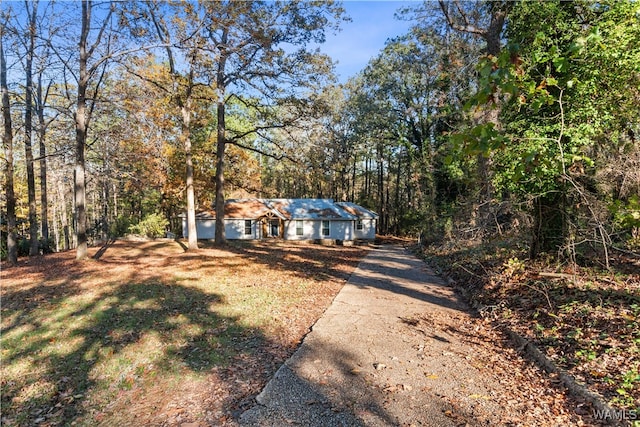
{"points": [[314, 219], [289, 219], [365, 226]]}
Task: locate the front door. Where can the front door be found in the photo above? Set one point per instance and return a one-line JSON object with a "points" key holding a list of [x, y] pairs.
{"points": [[274, 228]]}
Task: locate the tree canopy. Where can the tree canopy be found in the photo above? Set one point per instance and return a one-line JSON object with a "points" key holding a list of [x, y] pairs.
{"points": [[485, 117]]}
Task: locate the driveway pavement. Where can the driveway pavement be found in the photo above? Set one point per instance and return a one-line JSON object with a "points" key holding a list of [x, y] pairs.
{"points": [[387, 352]]}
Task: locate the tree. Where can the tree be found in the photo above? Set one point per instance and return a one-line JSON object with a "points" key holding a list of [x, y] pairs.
{"points": [[42, 92], [568, 79], [181, 89], [7, 143], [484, 20], [83, 117], [28, 124], [97, 47], [248, 54]]}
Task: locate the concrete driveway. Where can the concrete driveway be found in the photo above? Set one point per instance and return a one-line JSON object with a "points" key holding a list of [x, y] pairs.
{"points": [[387, 352]]}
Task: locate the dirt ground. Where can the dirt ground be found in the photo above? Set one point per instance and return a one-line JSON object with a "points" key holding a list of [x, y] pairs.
{"points": [[145, 333], [148, 334]]}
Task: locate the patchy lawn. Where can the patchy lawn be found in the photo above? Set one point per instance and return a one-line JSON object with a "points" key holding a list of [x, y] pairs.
{"points": [[587, 320], [150, 334]]}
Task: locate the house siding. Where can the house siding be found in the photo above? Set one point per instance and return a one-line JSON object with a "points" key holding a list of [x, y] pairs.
{"points": [[234, 229], [312, 213], [368, 231], [205, 228], [312, 230], [290, 230]]}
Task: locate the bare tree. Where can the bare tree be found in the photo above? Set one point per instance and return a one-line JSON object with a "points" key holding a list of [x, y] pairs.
{"points": [[28, 124], [7, 142]]}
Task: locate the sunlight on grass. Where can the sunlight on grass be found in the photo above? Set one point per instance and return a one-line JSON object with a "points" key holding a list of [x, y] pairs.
{"points": [[89, 347]]}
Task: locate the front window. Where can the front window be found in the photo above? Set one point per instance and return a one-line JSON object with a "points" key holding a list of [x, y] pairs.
{"points": [[247, 227], [299, 228], [359, 225], [325, 228]]}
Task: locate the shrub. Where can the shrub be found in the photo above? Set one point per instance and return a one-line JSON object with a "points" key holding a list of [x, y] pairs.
{"points": [[153, 225], [120, 226]]}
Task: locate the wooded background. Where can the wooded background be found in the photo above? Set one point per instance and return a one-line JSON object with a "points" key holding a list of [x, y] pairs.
{"points": [[486, 119]]}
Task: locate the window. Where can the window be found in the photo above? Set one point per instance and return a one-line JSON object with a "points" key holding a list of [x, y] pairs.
{"points": [[299, 228], [359, 225], [325, 228], [247, 227]]}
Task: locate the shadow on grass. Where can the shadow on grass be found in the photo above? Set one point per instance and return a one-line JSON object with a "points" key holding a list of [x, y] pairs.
{"points": [[69, 353], [104, 248], [306, 260], [72, 350]]}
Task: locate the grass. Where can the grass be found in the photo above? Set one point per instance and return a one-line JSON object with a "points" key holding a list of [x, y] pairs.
{"points": [[150, 334], [585, 318]]}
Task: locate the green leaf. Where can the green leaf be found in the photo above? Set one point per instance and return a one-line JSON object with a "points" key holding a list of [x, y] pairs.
{"points": [[560, 64]]}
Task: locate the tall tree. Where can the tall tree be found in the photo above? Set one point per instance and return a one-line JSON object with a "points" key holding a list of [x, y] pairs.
{"points": [[30, 46], [7, 143], [486, 21], [43, 91], [42, 94], [568, 79], [248, 40], [188, 30], [91, 68]]}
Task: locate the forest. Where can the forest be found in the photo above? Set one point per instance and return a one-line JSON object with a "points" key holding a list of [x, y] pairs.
{"points": [[486, 119]]}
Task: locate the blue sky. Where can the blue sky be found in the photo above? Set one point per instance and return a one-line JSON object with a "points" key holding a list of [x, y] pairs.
{"points": [[372, 24]]}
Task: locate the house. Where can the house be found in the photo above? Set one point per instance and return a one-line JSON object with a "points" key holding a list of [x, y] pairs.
{"points": [[289, 219], [365, 227]]}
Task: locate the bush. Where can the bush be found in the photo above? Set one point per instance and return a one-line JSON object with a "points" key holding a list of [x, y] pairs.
{"points": [[120, 226], [153, 225]]}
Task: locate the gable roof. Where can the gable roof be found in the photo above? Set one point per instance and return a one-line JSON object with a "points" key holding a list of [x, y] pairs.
{"points": [[289, 209], [324, 209], [357, 210], [241, 209], [249, 209]]}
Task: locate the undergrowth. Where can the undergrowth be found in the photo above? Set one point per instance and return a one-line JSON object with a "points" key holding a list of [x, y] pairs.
{"points": [[585, 318]]}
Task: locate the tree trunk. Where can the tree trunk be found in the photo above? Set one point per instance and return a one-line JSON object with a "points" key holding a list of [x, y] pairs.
{"points": [[548, 230], [221, 146], [7, 142], [381, 205], [64, 214], [221, 238], [396, 208], [191, 199], [353, 179], [56, 229], [28, 131], [44, 203], [81, 138]]}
